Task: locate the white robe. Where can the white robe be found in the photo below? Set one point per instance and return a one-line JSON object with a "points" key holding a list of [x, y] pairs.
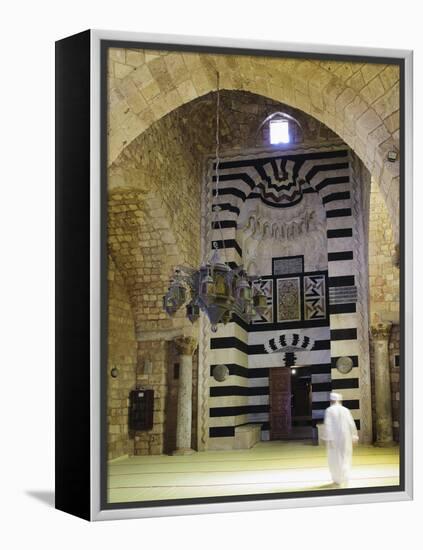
{"points": [[340, 433]]}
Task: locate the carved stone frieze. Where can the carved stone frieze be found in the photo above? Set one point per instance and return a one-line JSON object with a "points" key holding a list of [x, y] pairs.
{"points": [[260, 227], [302, 231]]}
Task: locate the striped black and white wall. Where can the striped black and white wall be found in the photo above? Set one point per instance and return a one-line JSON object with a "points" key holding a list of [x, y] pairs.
{"points": [[327, 316]]}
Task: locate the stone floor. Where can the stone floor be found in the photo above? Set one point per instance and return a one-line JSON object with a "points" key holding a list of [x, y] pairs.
{"points": [[269, 467]]}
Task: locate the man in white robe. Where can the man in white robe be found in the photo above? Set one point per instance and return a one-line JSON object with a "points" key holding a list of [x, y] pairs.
{"points": [[340, 434]]}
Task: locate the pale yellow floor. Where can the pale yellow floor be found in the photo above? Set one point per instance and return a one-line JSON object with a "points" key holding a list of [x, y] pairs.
{"points": [[269, 467]]}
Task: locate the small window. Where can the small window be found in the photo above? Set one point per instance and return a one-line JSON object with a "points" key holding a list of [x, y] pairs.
{"points": [[279, 131]]}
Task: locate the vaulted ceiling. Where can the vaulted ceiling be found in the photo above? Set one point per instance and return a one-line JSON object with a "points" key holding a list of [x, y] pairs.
{"points": [[359, 102]]}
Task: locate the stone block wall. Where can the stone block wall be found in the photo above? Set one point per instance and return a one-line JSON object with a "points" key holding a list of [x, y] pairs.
{"points": [[242, 117], [153, 226], [154, 221], [157, 352], [157, 152], [360, 102], [394, 351], [121, 355], [394, 373], [384, 293], [165, 165], [383, 274]]}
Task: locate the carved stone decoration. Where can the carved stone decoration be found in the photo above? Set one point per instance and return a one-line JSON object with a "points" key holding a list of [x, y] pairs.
{"points": [[380, 335], [265, 233], [185, 346], [290, 189], [288, 342], [220, 373], [344, 365], [289, 299], [261, 228], [381, 331]]}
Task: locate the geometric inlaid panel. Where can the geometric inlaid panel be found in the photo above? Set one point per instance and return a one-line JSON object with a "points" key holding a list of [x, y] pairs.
{"points": [[266, 287], [289, 300], [343, 294], [314, 297]]}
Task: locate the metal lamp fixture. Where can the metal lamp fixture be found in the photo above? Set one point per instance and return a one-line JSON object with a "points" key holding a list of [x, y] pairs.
{"points": [[215, 288], [392, 156]]}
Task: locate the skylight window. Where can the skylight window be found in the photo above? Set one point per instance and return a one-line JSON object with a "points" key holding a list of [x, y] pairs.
{"points": [[279, 131]]}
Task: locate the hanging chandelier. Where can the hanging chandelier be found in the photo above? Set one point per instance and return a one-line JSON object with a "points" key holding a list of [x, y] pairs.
{"points": [[215, 288]]}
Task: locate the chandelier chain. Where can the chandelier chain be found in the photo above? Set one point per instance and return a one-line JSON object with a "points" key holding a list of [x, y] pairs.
{"points": [[217, 155], [215, 288]]}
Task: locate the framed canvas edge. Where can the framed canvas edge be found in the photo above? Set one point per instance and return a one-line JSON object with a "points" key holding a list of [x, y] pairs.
{"points": [[97, 513]]}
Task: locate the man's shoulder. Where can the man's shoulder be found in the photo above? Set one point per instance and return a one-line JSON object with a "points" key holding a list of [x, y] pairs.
{"points": [[330, 411], [335, 410]]}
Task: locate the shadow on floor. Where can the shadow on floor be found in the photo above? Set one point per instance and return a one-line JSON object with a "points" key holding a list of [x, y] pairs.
{"points": [[46, 497], [329, 486]]}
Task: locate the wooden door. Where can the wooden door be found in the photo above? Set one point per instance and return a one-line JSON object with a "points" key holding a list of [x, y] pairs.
{"points": [[280, 402]]}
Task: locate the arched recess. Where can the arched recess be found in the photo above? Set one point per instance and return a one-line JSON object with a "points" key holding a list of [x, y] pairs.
{"points": [[154, 202], [360, 102], [280, 180], [162, 168], [144, 248]]}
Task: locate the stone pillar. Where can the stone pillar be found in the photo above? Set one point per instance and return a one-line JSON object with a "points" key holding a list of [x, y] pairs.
{"points": [[380, 335], [186, 346]]}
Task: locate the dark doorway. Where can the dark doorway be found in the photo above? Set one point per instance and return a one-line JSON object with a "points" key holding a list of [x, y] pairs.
{"points": [[301, 410], [290, 411]]}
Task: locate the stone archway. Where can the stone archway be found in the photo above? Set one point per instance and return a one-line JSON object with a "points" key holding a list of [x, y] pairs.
{"points": [[129, 122], [360, 102]]}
